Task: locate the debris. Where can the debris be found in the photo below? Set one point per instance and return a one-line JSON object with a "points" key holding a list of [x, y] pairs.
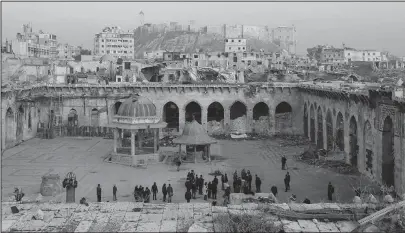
{"points": [[372, 199], [39, 215], [357, 200], [388, 199]]}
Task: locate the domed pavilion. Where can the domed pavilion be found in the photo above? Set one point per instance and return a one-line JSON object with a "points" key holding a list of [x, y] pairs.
{"points": [[137, 114], [195, 135]]}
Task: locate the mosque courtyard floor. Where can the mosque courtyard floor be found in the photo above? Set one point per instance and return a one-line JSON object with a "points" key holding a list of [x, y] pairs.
{"points": [[24, 165]]}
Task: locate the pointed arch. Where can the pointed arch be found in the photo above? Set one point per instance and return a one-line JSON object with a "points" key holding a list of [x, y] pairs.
{"points": [[388, 158], [171, 115], [10, 123], [283, 115], [354, 147], [215, 118], [193, 109]]}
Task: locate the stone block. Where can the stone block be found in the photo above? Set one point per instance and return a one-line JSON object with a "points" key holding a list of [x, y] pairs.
{"points": [[372, 228], [49, 207], [151, 218], [330, 206], [327, 227], [6, 225], [97, 226], [170, 215], [84, 226], [132, 216], [82, 208], [120, 206], [148, 227], [95, 206], [196, 227], [129, 227], [152, 211], [57, 222], [346, 226], [34, 225], [186, 206], [235, 207], [51, 185], [281, 206], [168, 226], [16, 217], [153, 206], [184, 225], [102, 217], [172, 206], [290, 226], [250, 206], [198, 206], [236, 212], [117, 216], [308, 226], [219, 209]]}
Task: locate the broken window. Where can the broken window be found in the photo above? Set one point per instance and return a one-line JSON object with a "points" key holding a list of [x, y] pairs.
{"points": [[243, 48], [235, 59], [195, 56], [239, 40], [229, 48], [238, 48], [232, 40], [226, 40]]}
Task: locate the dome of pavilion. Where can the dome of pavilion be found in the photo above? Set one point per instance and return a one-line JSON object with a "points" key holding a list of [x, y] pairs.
{"points": [[137, 107], [194, 134]]}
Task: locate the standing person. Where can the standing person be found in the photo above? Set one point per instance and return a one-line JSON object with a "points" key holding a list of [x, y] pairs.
{"points": [[188, 185], [194, 189], [239, 185], [249, 181], [164, 191], [209, 188], [200, 187], [146, 195], [114, 193], [188, 196], [287, 180], [258, 183], [215, 180], [178, 163], [205, 191], [170, 193], [98, 193], [235, 175], [243, 174], [214, 190], [154, 191], [331, 190], [283, 162], [226, 178], [274, 190], [222, 181], [235, 184], [227, 194]]}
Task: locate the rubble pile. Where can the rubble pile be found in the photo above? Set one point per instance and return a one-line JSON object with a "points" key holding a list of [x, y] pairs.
{"points": [[291, 140], [261, 126], [335, 165], [167, 141], [239, 124], [215, 127]]}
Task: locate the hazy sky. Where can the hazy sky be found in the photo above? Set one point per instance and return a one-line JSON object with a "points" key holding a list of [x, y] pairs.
{"points": [[363, 25]]}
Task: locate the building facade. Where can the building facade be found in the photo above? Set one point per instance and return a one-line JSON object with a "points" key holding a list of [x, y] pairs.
{"points": [[235, 45], [333, 56], [285, 37], [66, 51], [363, 55], [114, 41]]}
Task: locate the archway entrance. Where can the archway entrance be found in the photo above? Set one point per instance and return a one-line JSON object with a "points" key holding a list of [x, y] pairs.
{"points": [[72, 123], [340, 142], [215, 118], [171, 115], [354, 148], [305, 121], [320, 129], [312, 123], [388, 158], [283, 116], [193, 109], [117, 105], [20, 124], [329, 130], [368, 145], [238, 117], [9, 125], [261, 121], [94, 120]]}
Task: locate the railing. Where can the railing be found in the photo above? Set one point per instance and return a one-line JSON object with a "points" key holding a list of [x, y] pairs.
{"points": [[136, 120]]}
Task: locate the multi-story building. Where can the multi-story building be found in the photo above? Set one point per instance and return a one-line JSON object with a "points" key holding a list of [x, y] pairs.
{"points": [[285, 37], [68, 51], [235, 45], [333, 56], [114, 41], [34, 44], [363, 55]]}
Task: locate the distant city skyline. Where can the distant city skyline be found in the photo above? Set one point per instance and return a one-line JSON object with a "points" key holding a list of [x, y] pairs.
{"points": [[362, 25]]}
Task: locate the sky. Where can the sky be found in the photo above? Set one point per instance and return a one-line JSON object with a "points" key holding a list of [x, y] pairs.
{"points": [[361, 25]]}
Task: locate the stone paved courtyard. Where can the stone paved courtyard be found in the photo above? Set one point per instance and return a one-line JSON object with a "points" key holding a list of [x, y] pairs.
{"points": [[24, 165]]}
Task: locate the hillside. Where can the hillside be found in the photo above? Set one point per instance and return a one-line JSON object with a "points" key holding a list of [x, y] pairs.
{"points": [[189, 42]]}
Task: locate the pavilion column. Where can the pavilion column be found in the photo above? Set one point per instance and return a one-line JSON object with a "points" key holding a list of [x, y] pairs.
{"points": [[133, 148], [115, 139], [195, 154], [182, 119], [249, 120], [120, 133], [140, 139], [155, 140]]}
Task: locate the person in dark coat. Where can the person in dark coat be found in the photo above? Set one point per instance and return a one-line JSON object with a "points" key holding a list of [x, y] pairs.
{"points": [[188, 196], [239, 185], [114, 193], [196, 179], [214, 190], [215, 180], [331, 190], [135, 192], [154, 191], [287, 180], [307, 201], [169, 193], [235, 175], [194, 189], [178, 163], [98, 193], [235, 184], [201, 184], [188, 175], [188, 185], [209, 189], [146, 195], [164, 191], [226, 178], [249, 181], [258, 183], [243, 174], [274, 190], [283, 162], [222, 181]]}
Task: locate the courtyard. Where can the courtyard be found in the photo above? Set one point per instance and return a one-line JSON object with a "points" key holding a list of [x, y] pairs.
{"points": [[24, 165]]}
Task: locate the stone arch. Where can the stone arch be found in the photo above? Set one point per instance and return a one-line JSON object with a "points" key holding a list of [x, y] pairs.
{"points": [[95, 116], [340, 132], [238, 117], [215, 118], [354, 146], [312, 123], [261, 120], [10, 122], [329, 130], [72, 117], [320, 128], [117, 105], [388, 158], [368, 147], [305, 120], [20, 124], [193, 109], [171, 115], [283, 116]]}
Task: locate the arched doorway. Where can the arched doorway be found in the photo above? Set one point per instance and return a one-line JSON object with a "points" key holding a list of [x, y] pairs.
{"points": [[215, 118], [9, 125], [329, 130], [305, 120], [171, 115], [368, 145], [283, 117], [312, 123], [117, 106], [94, 120], [320, 129], [20, 124], [388, 158], [261, 121], [354, 148], [340, 142], [238, 117], [72, 122], [193, 109]]}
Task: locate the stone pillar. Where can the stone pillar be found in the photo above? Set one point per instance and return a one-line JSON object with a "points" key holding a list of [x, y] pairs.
{"points": [[249, 120], [133, 148], [361, 157], [316, 125], [346, 139], [398, 165], [309, 125], [115, 131], [325, 133], [227, 119], [204, 118], [180, 152], [182, 119], [272, 119], [155, 140], [140, 138], [195, 154], [120, 137]]}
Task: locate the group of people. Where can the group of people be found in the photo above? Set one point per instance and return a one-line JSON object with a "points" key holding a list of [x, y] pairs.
{"points": [[243, 184]]}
